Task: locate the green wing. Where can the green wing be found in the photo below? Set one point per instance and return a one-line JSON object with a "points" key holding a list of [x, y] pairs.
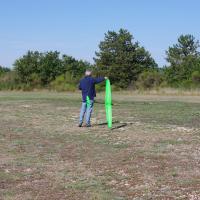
{"points": [[108, 104], [88, 101]]}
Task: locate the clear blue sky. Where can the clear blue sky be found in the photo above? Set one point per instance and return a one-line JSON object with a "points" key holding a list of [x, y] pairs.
{"points": [[75, 27]]}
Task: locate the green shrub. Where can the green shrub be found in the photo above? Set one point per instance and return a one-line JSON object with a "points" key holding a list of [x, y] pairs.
{"points": [[115, 88], [100, 87], [196, 77], [186, 84], [35, 80], [149, 79], [63, 82], [8, 81]]}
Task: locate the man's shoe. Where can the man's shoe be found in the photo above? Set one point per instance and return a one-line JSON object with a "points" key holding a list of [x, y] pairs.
{"points": [[80, 125], [88, 125]]}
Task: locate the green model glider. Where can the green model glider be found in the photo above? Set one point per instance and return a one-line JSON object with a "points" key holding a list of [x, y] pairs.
{"points": [[108, 103], [88, 101]]}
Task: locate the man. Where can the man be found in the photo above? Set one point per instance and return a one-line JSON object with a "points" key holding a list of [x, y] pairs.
{"points": [[87, 86]]}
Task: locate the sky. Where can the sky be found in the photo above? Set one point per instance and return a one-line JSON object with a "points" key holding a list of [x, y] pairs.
{"points": [[75, 27]]}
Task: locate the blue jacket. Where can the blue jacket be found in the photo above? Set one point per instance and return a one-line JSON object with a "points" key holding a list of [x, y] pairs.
{"points": [[87, 86]]}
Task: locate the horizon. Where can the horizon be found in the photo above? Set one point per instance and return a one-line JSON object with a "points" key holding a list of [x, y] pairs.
{"points": [[75, 28]]}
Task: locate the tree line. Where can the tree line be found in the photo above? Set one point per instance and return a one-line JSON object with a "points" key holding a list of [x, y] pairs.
{"points": [[44, 70], [119, 57]]}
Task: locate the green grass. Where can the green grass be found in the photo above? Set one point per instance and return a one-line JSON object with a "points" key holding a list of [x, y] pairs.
{"points": [[174, 113]]}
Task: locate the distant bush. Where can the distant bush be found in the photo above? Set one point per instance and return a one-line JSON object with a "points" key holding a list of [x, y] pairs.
{"points": [[100, 87], [196, 77], [4, 70], [8, 81], [149, 79], [186, 84], [63, 82], [36, 69]]}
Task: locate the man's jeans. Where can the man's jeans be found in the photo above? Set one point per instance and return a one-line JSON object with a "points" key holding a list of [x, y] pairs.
{"points": [[88, 110]]}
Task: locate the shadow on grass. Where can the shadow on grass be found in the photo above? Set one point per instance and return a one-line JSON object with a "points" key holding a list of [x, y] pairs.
{"points": [[120, 125]]}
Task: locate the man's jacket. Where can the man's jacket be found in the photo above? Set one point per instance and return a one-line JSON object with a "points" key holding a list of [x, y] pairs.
{"points": [[87, 86]]}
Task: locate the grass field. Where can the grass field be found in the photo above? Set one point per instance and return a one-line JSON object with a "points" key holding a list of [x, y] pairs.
{"points": [[44, 155]]}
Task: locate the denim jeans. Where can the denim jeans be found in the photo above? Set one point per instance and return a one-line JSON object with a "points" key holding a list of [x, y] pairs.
{"points": [[88, 110]]}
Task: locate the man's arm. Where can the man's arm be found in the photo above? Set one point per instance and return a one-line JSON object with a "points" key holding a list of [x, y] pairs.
{"points": [[99, 80]]}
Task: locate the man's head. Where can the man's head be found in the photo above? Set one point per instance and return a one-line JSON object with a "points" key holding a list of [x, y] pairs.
{"points": [[88, 72]]}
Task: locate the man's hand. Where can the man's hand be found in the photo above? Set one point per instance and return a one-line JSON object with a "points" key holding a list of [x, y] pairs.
{"points": [[105, 77]]}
